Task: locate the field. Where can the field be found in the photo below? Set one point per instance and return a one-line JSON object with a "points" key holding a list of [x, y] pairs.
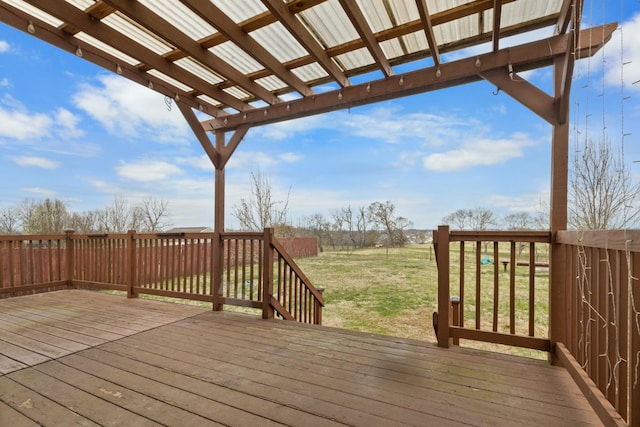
{"points": [[395, 293]]}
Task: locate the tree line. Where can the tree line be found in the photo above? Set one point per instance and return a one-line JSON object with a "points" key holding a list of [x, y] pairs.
{"points": [[52, 216]]}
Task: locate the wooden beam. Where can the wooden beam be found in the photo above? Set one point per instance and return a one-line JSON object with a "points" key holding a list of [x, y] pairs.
{"points": [[428, 30], [523, 92], [359, 22], [601, 406], [84, 22], [497, 15], [219, 20], [234, 141], [163, 29], [279, 9], [562, 23], [211, 151], [530, 55], [501, 338]]}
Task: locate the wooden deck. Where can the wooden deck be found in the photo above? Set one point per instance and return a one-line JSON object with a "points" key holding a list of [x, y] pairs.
{"points": [[85, 358]]}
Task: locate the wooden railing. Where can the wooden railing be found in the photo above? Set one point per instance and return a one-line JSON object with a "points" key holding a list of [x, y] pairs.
{"points": [[498, 293], [32, 263], [238, 269], [601, 312]]}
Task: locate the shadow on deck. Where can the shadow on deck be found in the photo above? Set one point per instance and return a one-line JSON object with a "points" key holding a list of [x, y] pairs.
{"points": [[85, 358]]}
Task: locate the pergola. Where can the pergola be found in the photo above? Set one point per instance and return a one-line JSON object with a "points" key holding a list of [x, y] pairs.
{"points": [[255, 62]]}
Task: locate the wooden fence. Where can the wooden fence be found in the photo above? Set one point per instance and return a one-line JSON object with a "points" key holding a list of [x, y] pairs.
{"points": [[229, 268]]}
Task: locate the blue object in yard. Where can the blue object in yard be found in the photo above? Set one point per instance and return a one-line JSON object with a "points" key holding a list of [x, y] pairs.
{"points": [[486, 260]]}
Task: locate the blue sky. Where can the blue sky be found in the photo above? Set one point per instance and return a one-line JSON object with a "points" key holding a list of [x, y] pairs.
{"points": [[73, 131]]}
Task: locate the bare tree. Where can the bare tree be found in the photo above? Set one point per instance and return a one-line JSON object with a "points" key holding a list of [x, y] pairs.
{"points": [[363, 221], [482, 219], [119, 217], [153, 214], [478, 218], [602, 193], [260, 210], [519, 221], [47, 217], [383, 215], [460, 219], [9, 220], [84, 222]]}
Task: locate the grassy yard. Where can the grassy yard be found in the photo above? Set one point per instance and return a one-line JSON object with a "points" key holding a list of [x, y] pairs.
{"points": [[372, 291], [395, 293]]}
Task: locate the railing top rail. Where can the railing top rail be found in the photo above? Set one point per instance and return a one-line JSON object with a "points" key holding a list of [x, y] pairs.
{"points": [[621, 240], [243, 235], [105, 236], [540, 236], [27, 237]]}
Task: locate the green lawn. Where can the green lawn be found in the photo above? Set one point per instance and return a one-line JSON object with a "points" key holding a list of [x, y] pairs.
{"points": [[395, 293]]}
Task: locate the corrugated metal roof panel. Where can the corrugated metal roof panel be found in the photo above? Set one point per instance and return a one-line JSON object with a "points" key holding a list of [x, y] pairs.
{"points": [[392, 48], [35, 12], [121, 23], [279, 42], [237, 92], [514, 13], [180, 17], [236, 57], [209, 100], [310, 72], [376, 14], [199, 70], [329, 24], [415, 42], [356, 59], [170, 80], [271, 83], [240, 10], [108, 49], [81, 4]]}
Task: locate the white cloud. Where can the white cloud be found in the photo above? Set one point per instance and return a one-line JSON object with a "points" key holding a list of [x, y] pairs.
{"points": [[5, 82], [39, 162], [290, 157], [532, 202], [148, 170], [201, 162], [251, 160], [478, 151], [68, 123], [20, 124], [4, 46], [127, 109], [43, 192], [23, 125], [624, 47], [383, 123]]}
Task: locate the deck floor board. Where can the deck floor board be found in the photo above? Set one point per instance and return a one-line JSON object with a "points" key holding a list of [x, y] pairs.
{"points": [[78, 357]]}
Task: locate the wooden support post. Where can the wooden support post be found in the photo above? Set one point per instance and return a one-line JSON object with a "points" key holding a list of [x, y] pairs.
{"points": [[455, 316], [318, 309], [69, 243], [558, 215], [267, 275], [131, 263], [442, 257], [218, 244]]}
